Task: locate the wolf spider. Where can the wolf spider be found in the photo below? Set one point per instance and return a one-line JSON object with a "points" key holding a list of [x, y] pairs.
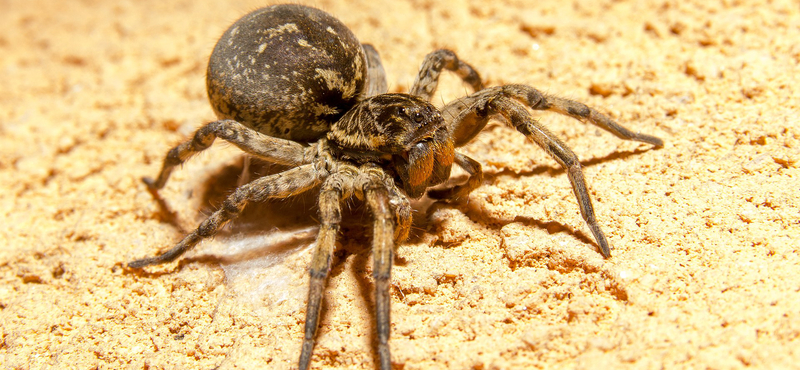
{"points": [[316, 101]]}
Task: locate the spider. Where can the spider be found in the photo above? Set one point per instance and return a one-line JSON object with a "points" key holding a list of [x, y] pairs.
{"points": [[292, 85]]}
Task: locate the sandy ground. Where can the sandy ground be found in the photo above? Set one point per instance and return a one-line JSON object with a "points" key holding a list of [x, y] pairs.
{"points": [[706, 230]]}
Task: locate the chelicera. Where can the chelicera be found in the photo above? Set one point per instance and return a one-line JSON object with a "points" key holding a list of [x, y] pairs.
{"points": [[292, 85]]}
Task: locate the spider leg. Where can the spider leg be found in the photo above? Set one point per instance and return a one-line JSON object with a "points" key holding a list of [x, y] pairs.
{"points": [[534, 131], [267, 147], [428, 77], [284, 184], [333, 190], [402, 211], [468, 116], [378, 197], [537, 133], [536, 100], [376, 76], [459, 192]]}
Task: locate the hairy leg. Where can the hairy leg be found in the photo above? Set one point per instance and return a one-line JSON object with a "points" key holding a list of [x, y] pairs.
{"points": [[432, 66], [333, 190], [269, 148], [520, 119], [402, 214], [284, 184], [376, 76], [382, 245], [378, 199], [468, 116], [539, 101], [460, 192]]}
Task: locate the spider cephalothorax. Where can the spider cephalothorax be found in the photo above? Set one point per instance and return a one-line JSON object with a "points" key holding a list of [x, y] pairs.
{"points": [[404, 131], [292, 85]]}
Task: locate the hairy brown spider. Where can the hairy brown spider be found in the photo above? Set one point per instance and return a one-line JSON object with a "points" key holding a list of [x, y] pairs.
{"points": [[292, 85]]}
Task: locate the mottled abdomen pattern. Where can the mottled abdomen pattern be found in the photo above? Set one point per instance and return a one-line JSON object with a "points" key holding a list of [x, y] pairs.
{"points": [[286, 71]]}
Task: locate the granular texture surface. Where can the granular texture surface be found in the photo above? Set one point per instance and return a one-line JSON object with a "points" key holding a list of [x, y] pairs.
{"points": [[706, 230]]}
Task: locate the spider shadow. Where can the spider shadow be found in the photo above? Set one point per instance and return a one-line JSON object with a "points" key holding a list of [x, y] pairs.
{"points": [[555, 170], [166, 213]]}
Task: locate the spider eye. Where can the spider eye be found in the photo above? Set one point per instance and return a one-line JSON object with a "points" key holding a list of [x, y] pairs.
{"points": [[418, 117], [401, 111]]}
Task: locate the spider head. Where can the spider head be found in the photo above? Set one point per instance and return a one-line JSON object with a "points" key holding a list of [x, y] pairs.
{"points": [[404, 130]]}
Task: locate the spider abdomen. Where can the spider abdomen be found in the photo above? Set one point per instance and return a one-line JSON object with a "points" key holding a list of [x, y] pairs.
{"points": [[287, 71]]}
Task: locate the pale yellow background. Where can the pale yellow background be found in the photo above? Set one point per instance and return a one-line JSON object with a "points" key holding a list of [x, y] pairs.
{"points": [[706, 230]]}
